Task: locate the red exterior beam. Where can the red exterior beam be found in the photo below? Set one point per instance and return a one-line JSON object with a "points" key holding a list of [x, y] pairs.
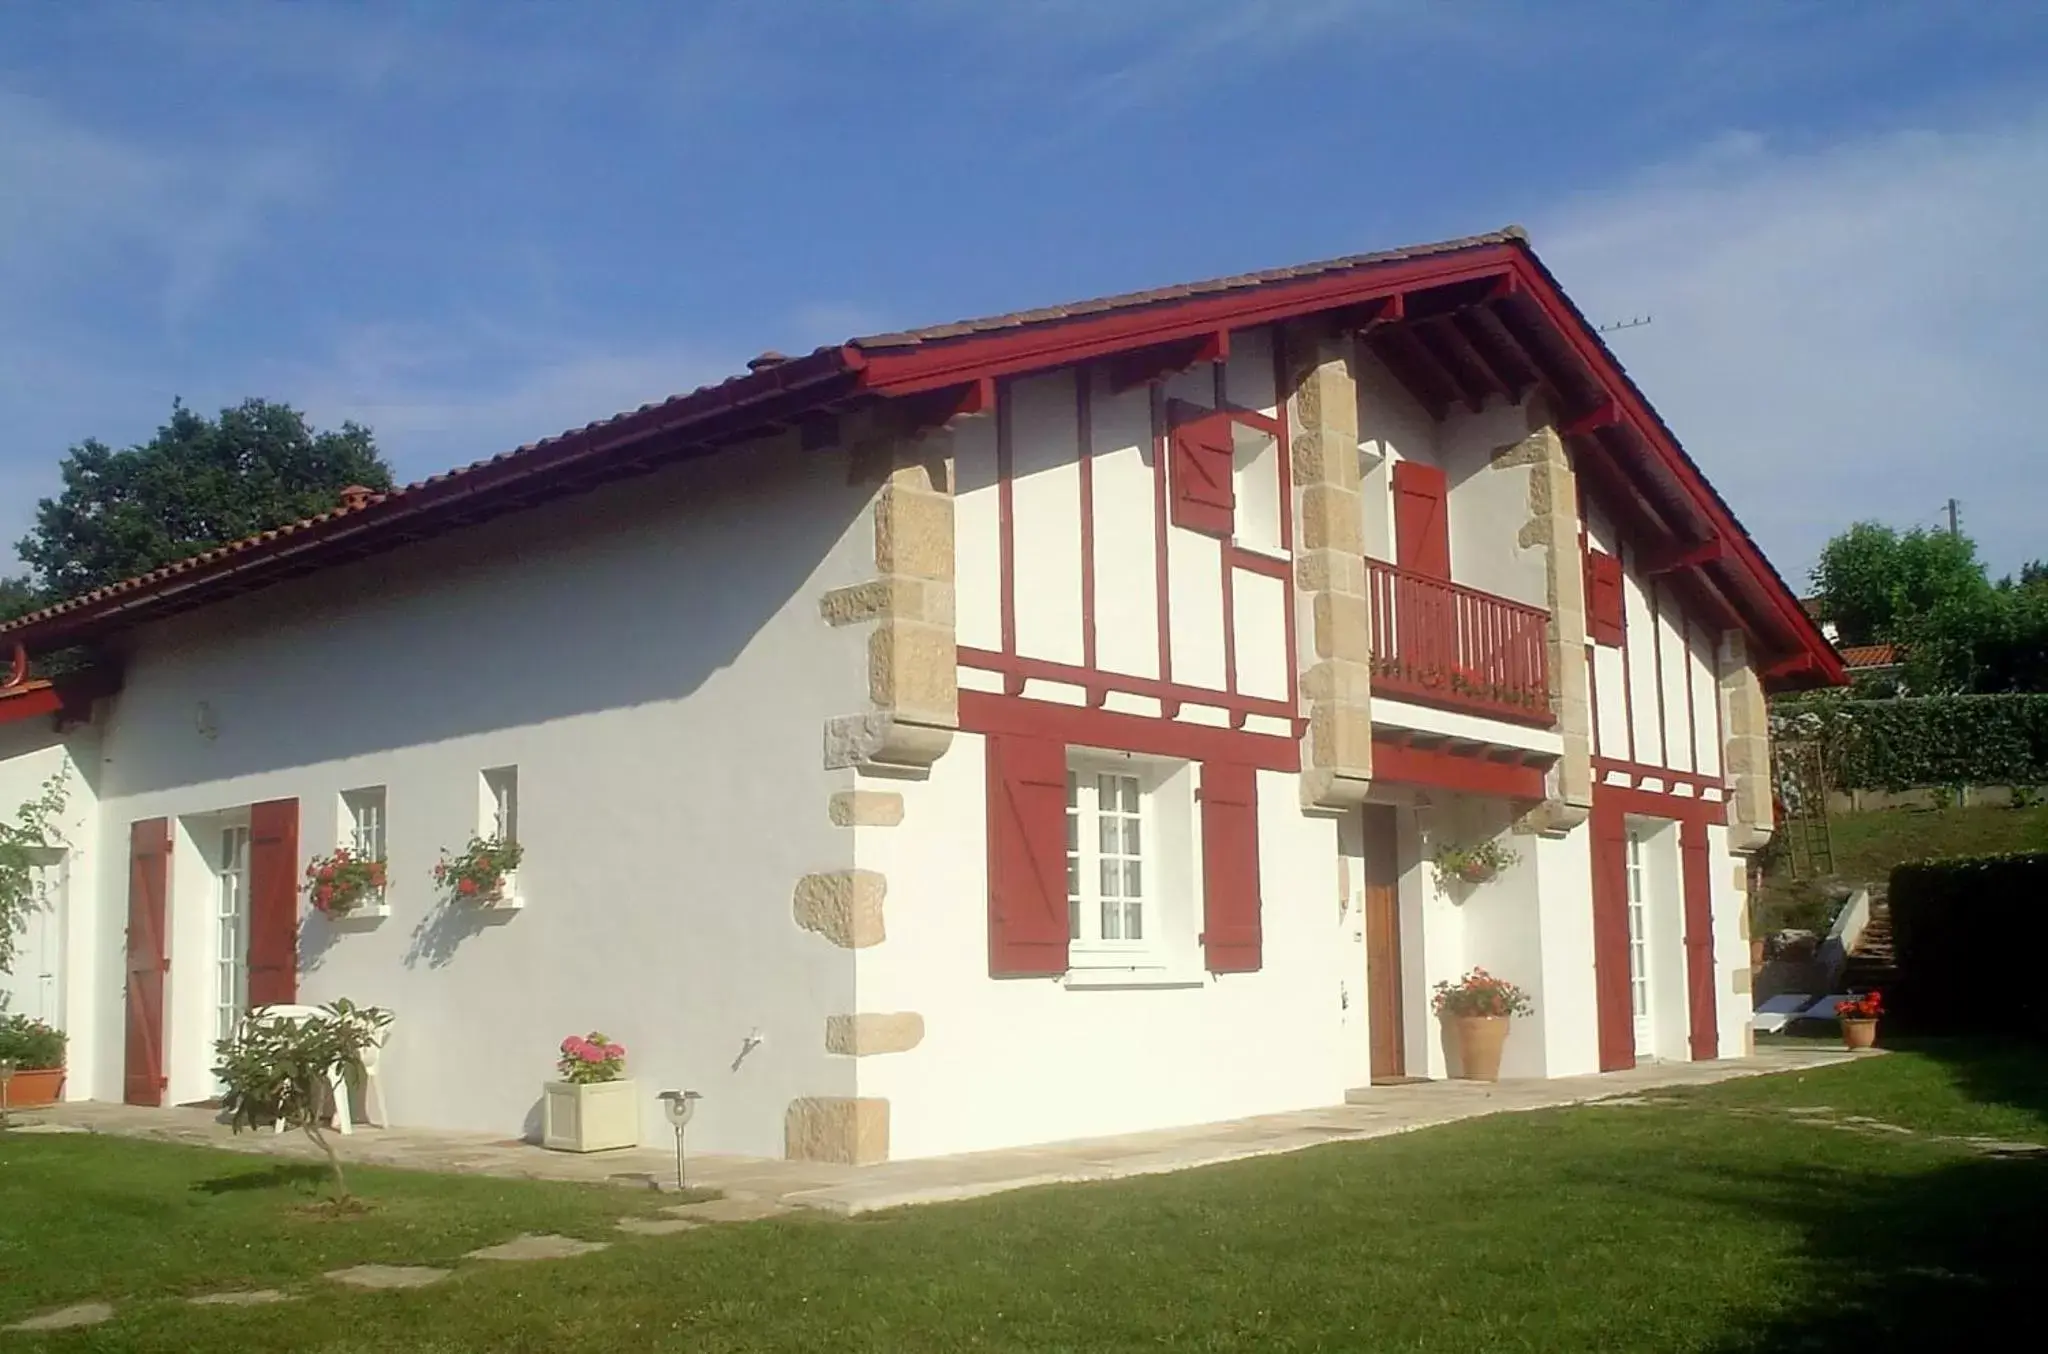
{"points": [[985, 712], [1075, 339], [1394, 760]]}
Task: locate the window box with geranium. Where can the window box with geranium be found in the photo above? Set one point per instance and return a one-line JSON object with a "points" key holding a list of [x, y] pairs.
{"points": [[1859, 1019], [346, 885], [593, 1106], [484, 874], [1477, 1008]]}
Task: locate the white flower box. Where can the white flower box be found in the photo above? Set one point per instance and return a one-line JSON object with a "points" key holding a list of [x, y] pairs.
{"points": [[362, 917], [505, 898], [593, 1118]]}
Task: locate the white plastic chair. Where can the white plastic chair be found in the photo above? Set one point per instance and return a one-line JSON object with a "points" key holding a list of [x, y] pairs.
{"points": [[336, 1078]]}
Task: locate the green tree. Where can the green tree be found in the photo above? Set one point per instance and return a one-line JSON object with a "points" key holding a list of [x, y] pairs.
{"points": [[1875, 583], [17, 597], [197, 484]]}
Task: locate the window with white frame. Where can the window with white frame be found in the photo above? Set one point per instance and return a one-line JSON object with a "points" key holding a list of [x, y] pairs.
{"points": [[1638, 933], [501, 803], [362, 822], [1133, 867]]}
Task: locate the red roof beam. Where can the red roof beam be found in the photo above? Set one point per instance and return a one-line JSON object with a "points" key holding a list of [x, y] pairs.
{"points": [[1680, 558], [1510, 369], [1426, 381], [1147, 365], [938, 362], [1455, 359]]}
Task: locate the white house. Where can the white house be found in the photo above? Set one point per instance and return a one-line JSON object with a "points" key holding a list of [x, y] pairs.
{"points": [[1008, 731]]}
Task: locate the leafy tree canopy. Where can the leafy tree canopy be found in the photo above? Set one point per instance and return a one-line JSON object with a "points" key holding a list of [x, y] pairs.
{"points": [[1874, 582], [197, 484]]}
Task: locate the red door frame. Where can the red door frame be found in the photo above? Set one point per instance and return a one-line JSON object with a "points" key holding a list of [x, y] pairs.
{"points": [[1617, 1023], [149, 876]]}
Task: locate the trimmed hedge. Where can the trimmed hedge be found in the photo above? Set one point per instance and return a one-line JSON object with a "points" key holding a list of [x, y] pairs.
{"points": [[1956, 927], [1923, 740]]}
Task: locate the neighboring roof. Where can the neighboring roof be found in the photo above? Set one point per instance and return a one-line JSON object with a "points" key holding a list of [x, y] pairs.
{"points": [[1859, 657], [1460, 319]]}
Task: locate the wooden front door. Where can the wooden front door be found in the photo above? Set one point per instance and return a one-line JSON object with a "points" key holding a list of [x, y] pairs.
{"points": [[149, 871], [1383, 943]]}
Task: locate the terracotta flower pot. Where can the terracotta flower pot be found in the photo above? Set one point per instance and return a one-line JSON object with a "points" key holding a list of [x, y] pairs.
{"points": [[1479, 1044], [1476, 873], [1858, 1033], [35, 1087]]}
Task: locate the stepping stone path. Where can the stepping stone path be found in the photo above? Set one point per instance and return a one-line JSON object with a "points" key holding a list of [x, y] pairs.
{"points": [[728, 1209], [544, 1246], [388, 1276], [64, 1318], [255, 1297], [657, 1226]]}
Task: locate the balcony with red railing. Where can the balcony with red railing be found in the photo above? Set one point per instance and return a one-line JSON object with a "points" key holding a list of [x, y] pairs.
{"points": [[1438, 643]]}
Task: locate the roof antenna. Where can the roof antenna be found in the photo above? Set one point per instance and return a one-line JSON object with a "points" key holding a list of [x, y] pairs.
{"points": [[1635, 322]]}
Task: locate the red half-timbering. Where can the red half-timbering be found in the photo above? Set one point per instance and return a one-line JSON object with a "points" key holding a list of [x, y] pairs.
{"points": [[149, 878], [274, 902]]}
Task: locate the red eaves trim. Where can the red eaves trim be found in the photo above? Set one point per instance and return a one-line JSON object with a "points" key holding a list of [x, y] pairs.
{"points": [[687, 424], [68, 698]]}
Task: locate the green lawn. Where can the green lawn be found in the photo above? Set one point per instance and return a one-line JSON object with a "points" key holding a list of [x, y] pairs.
{"points": [[1867, 845], [1705, 1220]]}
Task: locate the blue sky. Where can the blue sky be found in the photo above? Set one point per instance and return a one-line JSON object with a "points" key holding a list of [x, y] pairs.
{"points": [[470, 226]]}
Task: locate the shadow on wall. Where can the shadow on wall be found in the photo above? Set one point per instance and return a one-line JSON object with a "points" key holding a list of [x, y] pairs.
{"points": [[633, 593], [442, 930], [1935, 1259]]}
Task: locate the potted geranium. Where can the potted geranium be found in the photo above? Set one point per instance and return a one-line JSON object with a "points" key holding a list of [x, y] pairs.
{"points": [[593, 1106], [1859, 1019], [35, 1053], [1477, 1008], [1477, 864], [344, 883], [483, 873]]}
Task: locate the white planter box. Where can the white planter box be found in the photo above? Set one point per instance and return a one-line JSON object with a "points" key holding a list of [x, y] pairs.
{"points": [[593, 1118], [363, 917], [507, 898]]}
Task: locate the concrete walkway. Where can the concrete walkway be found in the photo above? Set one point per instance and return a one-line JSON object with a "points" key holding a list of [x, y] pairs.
{"points": [[1378, 1112]]}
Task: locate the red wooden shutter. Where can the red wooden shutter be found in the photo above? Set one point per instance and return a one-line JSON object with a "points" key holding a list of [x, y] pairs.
{"points": [[274, 903], [1422, 520], [1604, 615], [149, 877], [1027, 856], [1699, 940], [1231, 933], [1202, 465], [1612, 998]]}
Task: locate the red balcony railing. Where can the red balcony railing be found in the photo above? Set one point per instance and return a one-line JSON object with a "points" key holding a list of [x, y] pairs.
{"points": [[1442, 644]]}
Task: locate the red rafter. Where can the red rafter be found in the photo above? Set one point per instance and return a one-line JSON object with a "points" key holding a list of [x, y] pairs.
{"points": [[1422, 374], [1449, 352], [1160, 361]]}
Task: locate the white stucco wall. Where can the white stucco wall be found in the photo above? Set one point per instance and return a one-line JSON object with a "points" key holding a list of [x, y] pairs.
{"points": [[31, 754], [652, 659], [1012, 1061]]}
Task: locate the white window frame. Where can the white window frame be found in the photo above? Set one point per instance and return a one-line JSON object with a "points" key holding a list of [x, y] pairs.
{"points": [[1168, 954], [500, 804], [365, 822], [229, 864], [1638, 896]]}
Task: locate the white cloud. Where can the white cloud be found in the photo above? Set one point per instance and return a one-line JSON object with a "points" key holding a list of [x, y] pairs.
{"points": [[1840, 333], [438, 399]]}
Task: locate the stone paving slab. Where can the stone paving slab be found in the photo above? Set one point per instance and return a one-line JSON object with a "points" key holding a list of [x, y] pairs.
{"points": [[1376, 1112], [733, 1209], [657, 1226], [254, 1297], [388, 1276], [538, 1246], [64, 1318]]}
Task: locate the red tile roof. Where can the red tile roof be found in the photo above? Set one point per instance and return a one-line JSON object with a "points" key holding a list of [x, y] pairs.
{"points": [[1856, 656], [779, 393]]}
